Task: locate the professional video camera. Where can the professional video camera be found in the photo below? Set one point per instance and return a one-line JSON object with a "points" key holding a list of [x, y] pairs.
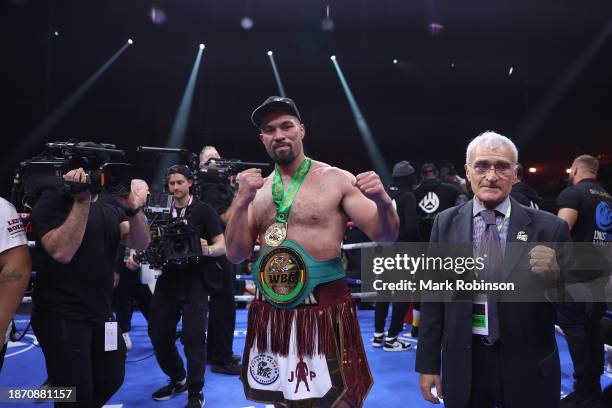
{"points": [[173, 240], [219, 170], [46, 171], [213, 171]]}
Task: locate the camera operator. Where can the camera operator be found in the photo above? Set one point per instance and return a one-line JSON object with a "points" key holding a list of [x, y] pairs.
{"points": [[15, 268], [77, 238], [218, 195], [180, 290], [221, 282]]}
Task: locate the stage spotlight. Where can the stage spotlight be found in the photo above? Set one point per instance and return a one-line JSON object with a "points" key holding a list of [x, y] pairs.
{"points": [[246, 23], [158, 16], [277, 77], [56, 33], [130, 41], [43, 130], [178, 133], [362, 125], [395, 61], [510, 71], [568, 171], [435, 28], [533, 170], [452, 65], [327, 24]]}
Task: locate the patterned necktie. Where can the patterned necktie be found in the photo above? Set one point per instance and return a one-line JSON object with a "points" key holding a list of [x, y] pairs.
{"points": [[490, 248]]}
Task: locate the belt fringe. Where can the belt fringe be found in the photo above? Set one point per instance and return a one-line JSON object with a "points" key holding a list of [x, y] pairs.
{"points": [[318, 327]]}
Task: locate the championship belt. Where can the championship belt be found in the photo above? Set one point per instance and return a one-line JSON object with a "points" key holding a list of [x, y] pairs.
{"points": [[286, 275], [282, 275]]}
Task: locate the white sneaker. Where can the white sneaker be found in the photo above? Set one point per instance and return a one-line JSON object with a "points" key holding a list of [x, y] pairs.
{"points": [[378, 339], [393, 344], [127, 340]]}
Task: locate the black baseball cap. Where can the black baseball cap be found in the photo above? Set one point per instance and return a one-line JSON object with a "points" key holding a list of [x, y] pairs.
{"points": [[179, 169], [274, 104]]}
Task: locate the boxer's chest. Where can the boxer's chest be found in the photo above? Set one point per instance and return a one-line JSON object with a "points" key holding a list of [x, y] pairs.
{"points": [[315, 204]]}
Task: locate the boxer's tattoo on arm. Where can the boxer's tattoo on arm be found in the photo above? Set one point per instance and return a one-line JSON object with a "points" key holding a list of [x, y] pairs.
{"points": [[10, 276]]}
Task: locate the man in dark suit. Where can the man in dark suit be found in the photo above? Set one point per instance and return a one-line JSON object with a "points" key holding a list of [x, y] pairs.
{"points": [[515, 362]]}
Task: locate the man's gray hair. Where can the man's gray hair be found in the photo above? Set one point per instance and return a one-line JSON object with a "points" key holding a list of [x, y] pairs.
{"points": [[205, 148], [493, 141]]}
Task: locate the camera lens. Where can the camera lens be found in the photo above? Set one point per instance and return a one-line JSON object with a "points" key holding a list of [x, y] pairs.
{"points": [[179, 246]]}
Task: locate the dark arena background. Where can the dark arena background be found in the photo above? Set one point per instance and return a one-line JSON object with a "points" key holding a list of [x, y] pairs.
{"points": [[376, 82]]}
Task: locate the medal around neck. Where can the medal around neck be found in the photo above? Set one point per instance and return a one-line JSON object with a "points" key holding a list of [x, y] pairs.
{"points": [[276, 234]]}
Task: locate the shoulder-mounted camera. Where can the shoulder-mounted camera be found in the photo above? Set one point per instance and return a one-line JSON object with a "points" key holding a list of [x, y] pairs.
{"points": [[47, 169]]}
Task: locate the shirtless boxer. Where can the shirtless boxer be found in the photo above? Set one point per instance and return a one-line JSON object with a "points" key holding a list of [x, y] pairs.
{"points": [[302, 308]]}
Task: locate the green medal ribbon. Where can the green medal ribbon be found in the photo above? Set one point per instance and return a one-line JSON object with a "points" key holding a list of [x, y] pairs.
{"points": [[284, 200]]}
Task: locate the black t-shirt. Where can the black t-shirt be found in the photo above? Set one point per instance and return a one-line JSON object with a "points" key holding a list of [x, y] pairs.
{"points": [[203, 218], [405, 204], [594, 206], [218, 195], [432, 197], [83, 288], [524, 194]]}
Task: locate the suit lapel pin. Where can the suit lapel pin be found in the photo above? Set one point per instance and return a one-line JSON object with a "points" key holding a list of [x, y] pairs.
{"points": [[522, 236]]}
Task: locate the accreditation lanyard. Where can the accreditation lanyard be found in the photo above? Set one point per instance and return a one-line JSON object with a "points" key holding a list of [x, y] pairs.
{"points": [[480, 305], [174, 213], [284, 199]]}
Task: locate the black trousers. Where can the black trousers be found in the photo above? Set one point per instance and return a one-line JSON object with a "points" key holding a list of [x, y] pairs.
{"points": [[222, 317], [128, 290], [586, 347], [397, 317], [75, 357], [487, 387], [180, 293]]}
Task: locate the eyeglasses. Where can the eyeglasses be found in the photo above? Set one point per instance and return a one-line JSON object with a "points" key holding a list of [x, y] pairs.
{"points": [[501, 168]]}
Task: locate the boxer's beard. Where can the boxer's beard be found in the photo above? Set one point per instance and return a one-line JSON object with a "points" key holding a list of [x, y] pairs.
{"points": [[283, 159]]}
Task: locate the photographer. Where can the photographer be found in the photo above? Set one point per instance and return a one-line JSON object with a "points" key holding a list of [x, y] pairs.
{"points": [[15, 268], [220, 280], [77, 237], [180, 290]]}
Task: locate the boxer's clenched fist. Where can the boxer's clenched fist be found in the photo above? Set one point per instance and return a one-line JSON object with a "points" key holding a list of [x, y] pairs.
{"points": [[370, 185], [249, 181]]}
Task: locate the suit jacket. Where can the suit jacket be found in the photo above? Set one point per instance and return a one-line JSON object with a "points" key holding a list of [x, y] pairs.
{"points": [[531, 375]]}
